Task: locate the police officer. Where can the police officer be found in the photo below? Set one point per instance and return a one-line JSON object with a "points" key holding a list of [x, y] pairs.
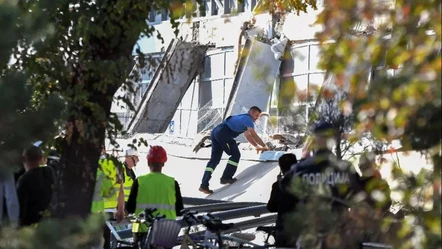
{"points": [[321, 176], [155, 190], [223, 140]]}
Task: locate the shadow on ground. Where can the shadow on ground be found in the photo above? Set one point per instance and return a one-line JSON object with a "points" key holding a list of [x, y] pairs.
{"points": [[245, 179]]}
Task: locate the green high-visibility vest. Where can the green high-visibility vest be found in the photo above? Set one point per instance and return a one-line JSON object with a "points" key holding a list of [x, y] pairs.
{"points": [[156, 190], [111, 172], [103, 188], [128, 182]]}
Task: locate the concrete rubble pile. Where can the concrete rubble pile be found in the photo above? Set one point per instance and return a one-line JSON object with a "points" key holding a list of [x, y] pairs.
{"points": [[276, 142]]}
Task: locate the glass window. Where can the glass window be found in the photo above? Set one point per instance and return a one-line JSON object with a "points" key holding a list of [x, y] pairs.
{"points": [[300, 58], [158, 16], [217, 63], [206, 68], [315, 82], [214, 66], [228, 83], [301, 86], [286, 92], [188, 101], [205, 94], [314, 57], [217, 94], [146, 76], [230, 63], [143, 88]]}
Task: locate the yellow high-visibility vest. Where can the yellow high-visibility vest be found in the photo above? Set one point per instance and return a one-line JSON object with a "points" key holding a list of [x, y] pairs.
{"points": [[110, 171], [128, 182], [156, 190]]}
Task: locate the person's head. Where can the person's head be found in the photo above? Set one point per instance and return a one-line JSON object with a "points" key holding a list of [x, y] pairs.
{"points": [[156, 158], [131, 158], [367, 164], [286, 161], [32, 157], [254, 112], [39, 144], [323, 136]]}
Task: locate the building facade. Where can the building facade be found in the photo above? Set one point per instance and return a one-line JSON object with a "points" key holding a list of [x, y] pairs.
{"points": [[205, 101]]}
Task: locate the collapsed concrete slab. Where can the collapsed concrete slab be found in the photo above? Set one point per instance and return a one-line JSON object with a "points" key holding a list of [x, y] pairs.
{"points": [[171, 80], [254, 80]]}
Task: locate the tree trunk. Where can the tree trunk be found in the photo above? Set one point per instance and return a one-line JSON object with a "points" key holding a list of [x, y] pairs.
{"points": [[104, 64], [75, 181], [338, 145], [434, 238], [76, 178]]}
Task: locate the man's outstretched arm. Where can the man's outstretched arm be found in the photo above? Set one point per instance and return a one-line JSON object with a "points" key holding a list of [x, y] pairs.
{"points": [[255, 137]]}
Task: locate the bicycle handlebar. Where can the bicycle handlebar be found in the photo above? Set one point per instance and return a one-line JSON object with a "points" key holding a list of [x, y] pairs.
{"points": [[212, 223], [145, 216]]}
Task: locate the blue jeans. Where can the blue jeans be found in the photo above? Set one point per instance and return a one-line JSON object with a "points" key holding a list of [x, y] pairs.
{"points": [[222, 138]]}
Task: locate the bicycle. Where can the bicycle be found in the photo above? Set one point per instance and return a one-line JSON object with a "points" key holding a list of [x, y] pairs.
{"points": [[214, 238], [154, 236]]}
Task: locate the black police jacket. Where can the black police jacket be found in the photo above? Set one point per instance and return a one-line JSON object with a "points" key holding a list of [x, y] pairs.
{"points": [[322, 169]]}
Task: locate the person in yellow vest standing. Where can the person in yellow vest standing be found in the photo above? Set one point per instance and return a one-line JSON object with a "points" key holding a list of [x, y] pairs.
{"points": [[108, 186], [155, 190], [129, 163]]}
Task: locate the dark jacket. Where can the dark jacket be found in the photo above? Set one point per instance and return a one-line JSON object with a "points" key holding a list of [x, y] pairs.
{"points": [[129, 172], [131, 203], [324, 179], [282, 203], [323, 168], [34, 191]]}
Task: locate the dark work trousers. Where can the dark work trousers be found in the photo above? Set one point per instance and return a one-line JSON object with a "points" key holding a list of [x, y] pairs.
{"points": [[222, 138]]}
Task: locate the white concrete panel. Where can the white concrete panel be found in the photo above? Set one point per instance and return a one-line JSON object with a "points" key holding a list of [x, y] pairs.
{"points": [[173, 77], [256, 81]]}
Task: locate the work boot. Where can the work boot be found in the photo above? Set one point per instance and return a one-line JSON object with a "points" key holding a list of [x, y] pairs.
{"points": [[205, 190], [228, 181]]}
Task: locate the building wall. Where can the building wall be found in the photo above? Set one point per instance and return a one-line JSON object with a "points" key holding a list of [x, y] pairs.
{"points": [[204, 102], [301, 80]]}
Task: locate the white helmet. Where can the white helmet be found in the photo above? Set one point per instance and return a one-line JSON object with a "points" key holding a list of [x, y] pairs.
{"points": [[131, 152]]}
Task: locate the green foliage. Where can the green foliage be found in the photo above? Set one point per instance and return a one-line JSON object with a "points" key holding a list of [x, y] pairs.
{"points": [[401, 101], [25, 118], [67, 234]]}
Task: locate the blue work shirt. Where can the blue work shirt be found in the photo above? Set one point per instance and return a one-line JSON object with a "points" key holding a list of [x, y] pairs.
{"points": [[240, 123]]}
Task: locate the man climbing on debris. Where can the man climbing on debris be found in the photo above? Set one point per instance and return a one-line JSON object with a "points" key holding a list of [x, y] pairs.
{"points": [[223, 140]]}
